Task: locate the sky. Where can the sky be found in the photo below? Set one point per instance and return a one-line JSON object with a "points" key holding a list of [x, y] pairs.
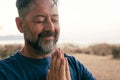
{"points": [[85, 21]]}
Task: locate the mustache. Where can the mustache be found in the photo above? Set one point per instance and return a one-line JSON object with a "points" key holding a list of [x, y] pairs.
{"points": [[46, 34]]}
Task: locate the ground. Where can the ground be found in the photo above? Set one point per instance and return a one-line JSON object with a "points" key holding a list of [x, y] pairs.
{"points": [[103, 68]]}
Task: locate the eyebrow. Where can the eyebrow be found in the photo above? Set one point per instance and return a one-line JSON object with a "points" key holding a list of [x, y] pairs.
{"points": [[45, 16], [55, 15], [39, 16]]}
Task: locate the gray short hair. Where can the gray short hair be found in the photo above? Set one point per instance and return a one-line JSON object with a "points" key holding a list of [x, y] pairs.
{"points": [[23, 6]]}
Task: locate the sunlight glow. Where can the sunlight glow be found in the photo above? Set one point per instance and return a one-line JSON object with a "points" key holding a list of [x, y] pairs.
{"points": [[80, 20]]}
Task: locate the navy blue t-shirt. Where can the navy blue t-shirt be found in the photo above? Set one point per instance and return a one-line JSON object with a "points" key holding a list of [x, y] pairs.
{"points": [[19, 67]]}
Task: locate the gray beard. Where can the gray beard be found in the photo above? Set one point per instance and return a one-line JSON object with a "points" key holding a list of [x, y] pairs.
{"points": [[42, 47], [47, 47]]}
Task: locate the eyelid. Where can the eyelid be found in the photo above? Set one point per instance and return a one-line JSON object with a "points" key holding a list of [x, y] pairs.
{"points": [[43, 19], [55, 19], [40, 19]]}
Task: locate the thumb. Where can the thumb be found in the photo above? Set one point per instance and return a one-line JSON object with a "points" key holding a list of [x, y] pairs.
{"points": [[48, 75], [68, 77]]}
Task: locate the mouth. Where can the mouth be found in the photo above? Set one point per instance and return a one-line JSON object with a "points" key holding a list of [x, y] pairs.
{"points": [[48, 38]]}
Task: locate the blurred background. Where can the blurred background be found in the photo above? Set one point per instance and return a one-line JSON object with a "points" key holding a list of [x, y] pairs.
{"points": [[90, 31], [82, 21]]}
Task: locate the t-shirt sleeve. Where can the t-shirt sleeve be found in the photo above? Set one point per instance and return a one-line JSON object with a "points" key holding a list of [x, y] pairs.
{"points": [[85, 74], [79, 71]]}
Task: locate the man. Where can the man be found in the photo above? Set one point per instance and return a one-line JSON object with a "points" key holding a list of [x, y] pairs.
{"points": [[40, 59]]}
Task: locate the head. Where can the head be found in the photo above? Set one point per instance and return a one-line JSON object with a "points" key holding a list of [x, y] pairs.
{"points": [[39, 22]]}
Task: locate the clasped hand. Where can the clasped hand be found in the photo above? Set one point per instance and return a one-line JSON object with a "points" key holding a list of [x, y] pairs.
{"points": [[59, 69]]}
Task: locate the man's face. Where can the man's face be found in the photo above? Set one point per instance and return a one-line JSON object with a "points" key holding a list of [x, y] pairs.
{"points": [[41, 26]]}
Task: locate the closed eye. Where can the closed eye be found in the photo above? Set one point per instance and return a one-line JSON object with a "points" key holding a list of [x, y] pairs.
{"points": [[54, 19], [40, 19]]}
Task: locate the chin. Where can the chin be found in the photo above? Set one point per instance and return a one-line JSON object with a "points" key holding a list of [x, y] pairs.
{"points": [[46, 47]]}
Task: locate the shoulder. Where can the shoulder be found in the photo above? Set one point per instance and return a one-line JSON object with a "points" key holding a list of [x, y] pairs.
{"points": [[69, 57], [74, 63], [3, 68], [8, 61], [6, 65], [79, 69], [72, 59]]}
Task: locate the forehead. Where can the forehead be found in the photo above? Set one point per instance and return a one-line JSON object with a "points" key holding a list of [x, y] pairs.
{"points": [[44, 6]]}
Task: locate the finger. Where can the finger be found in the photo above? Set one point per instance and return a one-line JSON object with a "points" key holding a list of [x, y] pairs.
{"points": [[68, 77], [61, 53], [62, 69], [48, 75], [53, 60], [58, 61], [56, 69], [52, 65]]}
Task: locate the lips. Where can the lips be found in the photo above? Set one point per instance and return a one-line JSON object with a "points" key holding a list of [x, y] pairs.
{"points": [[48, 38], [47, 35]]}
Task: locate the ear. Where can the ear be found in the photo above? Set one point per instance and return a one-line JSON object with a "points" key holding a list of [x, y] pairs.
{"points": [[19, 24]]}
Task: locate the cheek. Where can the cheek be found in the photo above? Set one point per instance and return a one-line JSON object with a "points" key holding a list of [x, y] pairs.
{"points": [[57, 30], [36, 30]]}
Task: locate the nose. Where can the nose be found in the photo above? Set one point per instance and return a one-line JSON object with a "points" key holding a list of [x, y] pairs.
{"points": [[49, 26]]}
